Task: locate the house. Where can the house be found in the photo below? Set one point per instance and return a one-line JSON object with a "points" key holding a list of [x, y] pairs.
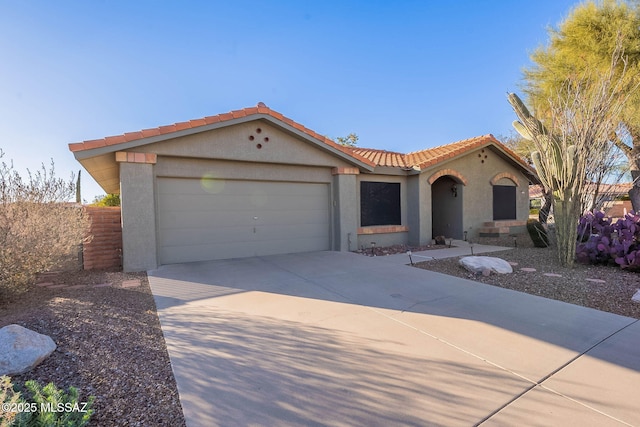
{"points": [[253, 182], [610, 198]]}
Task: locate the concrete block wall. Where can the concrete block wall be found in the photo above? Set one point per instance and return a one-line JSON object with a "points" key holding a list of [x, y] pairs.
{"points": [[104, 251]]}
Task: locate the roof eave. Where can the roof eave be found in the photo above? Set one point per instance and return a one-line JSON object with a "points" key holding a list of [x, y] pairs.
{"points": [[82, 154]]}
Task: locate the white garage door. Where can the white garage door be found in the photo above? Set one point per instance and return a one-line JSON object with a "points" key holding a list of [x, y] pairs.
{"points": [[219, 219]]}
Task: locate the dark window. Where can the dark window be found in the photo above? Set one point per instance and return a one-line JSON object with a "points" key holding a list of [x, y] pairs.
{"points": [[504, 202], [379, 203]]}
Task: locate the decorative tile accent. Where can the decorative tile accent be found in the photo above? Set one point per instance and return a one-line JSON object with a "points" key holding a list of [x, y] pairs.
{"points": [[131, 157], [383, 229], [345, 171]]}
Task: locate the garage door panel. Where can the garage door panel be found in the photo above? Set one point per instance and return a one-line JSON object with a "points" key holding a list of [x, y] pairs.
{"points": [[187, 219], [198, 236], [297, 217], [286, 232], [240, 218]]}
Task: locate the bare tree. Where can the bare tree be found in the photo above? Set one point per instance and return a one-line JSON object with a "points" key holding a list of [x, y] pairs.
{"points": [[574, 144], [39, 228]]}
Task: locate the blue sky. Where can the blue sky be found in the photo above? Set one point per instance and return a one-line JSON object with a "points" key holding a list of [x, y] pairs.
{"points": [[403, 75]]}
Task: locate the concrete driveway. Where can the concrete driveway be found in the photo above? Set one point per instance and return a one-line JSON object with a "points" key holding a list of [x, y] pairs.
{"points": [[331, 338]]}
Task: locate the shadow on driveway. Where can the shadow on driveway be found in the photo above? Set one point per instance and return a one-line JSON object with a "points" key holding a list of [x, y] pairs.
{"points": [[337, 338]]}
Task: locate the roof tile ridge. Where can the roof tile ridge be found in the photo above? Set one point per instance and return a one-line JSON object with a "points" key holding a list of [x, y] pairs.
{"points": [[377, 150], [165, 129], [459, 142], [260, 108]]}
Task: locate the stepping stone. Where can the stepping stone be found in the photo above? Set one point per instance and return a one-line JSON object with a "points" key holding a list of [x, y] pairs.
{"points": [[130, 283], [513, 263], [552, 275], [636, 296], [528, 269], [102, 285], [596, 280], [44, 284]]}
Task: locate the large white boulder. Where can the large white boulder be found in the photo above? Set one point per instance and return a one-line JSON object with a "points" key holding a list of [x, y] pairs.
{"points": [[22, 349], [486, 265]]}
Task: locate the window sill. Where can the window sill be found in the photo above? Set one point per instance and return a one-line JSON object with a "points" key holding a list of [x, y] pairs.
{"points": [[380, 229]]}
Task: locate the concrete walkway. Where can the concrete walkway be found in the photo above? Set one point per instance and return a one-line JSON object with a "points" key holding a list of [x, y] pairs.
{"points": [[331, 338]]}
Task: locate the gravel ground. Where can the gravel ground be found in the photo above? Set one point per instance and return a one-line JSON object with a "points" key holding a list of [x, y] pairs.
{"points": [[110, 345], [613, 294]]}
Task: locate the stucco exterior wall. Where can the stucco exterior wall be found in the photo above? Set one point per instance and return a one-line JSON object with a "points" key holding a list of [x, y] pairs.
{"points": [[225, 169], [419, 210], [137, 200], [243, 142], [345, 212], [478, 168]]}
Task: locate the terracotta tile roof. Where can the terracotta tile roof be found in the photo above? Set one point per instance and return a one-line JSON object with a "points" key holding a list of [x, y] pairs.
{"points": [[260, 109], [372, 157], [382, 157], [424, 158]]}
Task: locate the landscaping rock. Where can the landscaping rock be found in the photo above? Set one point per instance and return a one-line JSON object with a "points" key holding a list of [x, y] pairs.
{"points": [[22, 349], [485, 265], [636, 296]]}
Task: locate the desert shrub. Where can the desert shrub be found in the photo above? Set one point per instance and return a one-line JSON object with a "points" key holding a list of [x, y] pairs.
{"points": [[39, 228], [602, 242], [8, 396], [34, 405], [538, 233]]}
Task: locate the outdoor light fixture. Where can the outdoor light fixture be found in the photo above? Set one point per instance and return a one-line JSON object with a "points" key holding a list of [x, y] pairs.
{"points": [[454, 190]]}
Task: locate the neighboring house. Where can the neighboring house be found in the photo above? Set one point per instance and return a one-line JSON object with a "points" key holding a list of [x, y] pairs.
{"points": [[608, 198], [253, 182]]}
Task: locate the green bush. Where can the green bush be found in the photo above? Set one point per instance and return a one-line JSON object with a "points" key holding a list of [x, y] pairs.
{"points": [[538, 233], [108, 200], [45, 406]]}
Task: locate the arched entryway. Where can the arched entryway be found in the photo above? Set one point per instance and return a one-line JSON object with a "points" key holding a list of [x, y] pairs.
{"points": [[446, 207]]}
